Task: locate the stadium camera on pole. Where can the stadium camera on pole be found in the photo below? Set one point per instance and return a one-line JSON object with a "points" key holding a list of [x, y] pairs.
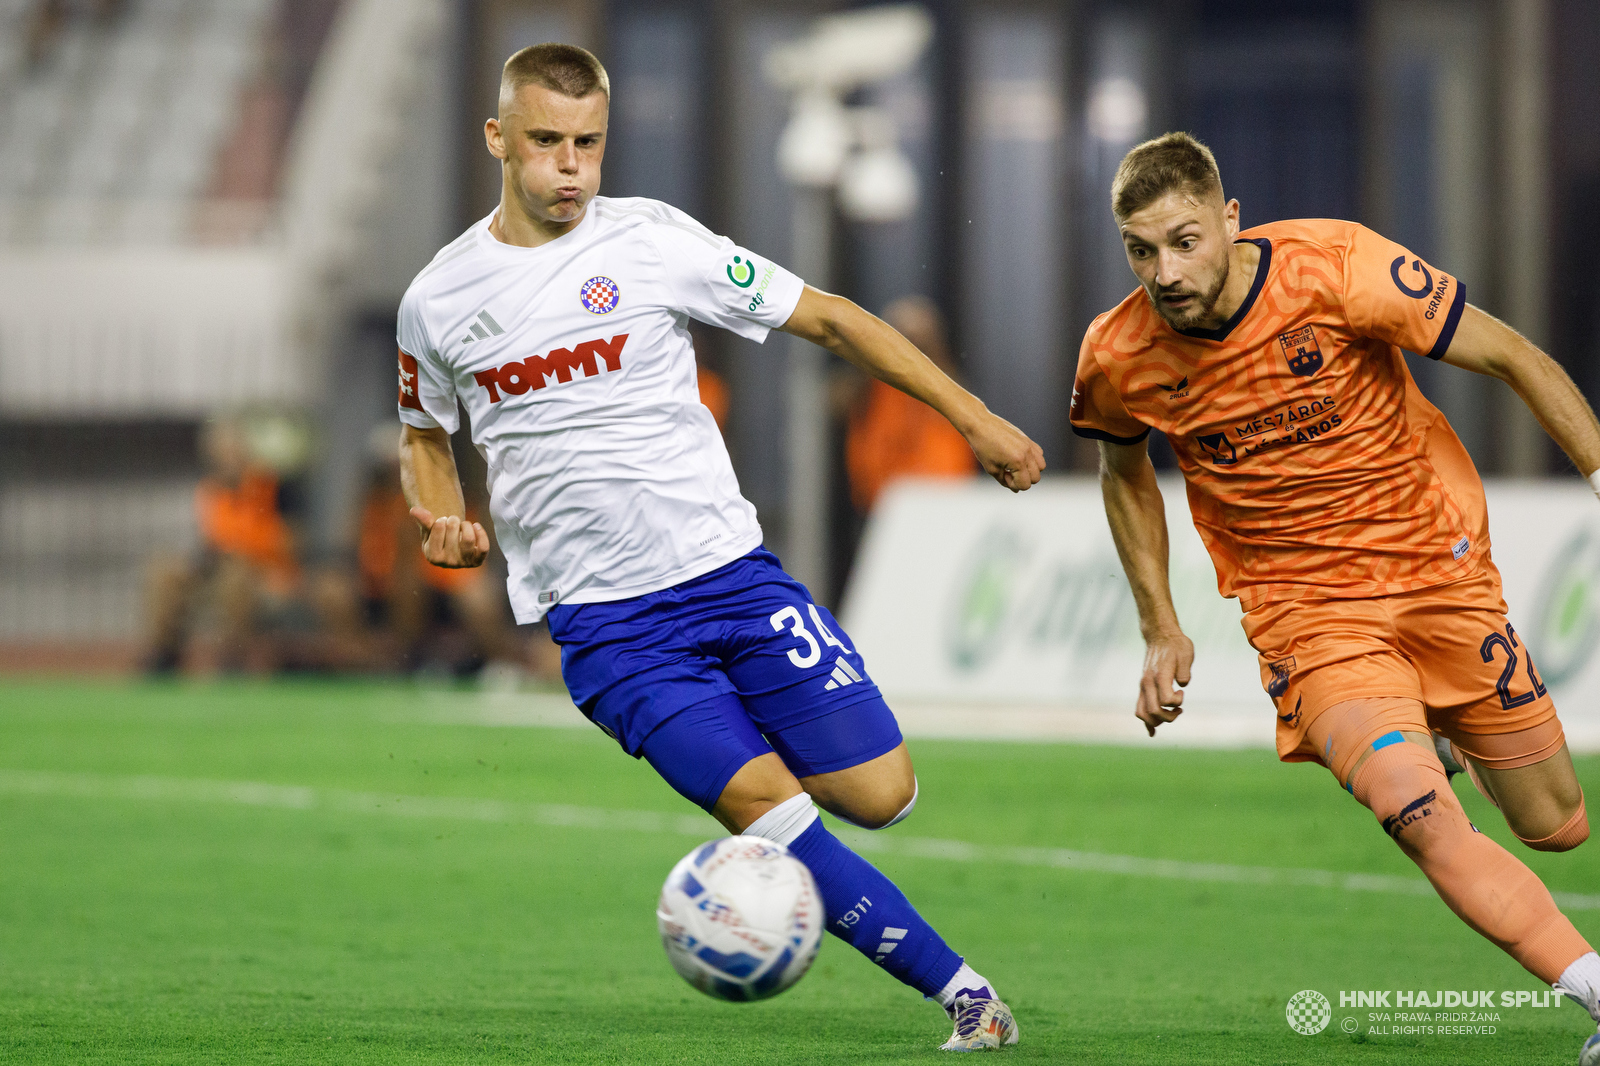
{"points": [[828, 146]]}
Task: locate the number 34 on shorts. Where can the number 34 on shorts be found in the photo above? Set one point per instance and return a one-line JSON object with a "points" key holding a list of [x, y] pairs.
{"points": [[808, 653]]}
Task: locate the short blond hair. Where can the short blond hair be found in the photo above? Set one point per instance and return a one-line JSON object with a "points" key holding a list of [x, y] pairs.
{"points": [[1173, 161], [562, 68]]}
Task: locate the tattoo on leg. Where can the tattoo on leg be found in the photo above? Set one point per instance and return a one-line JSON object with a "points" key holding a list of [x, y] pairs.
{"points": [[1411, 812]]}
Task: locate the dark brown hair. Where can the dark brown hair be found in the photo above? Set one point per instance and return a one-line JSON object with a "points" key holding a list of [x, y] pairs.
{"points": [[562, 68], [1155, 168]]}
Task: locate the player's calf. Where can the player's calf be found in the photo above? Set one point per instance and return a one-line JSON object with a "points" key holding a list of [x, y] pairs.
{"points": [[867, 911], [1404, 786]]}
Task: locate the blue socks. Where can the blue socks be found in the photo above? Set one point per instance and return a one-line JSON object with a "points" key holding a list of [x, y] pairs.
{"points": [[867, 911]]}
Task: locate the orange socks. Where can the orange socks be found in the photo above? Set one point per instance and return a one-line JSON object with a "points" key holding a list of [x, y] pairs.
{"points": [[1405, 787]]}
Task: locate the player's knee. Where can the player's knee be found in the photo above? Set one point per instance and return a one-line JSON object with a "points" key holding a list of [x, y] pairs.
{"points": [[896, 806], [1572, 828], [1406, 790], [889, 804], [759, 785]]}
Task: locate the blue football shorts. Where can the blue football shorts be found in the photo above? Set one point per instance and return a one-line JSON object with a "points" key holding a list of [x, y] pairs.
{"points": [[704, 676]]}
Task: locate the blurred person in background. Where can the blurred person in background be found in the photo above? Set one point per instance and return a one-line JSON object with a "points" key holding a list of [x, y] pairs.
{"points": [[414, 606], [712, 386], [245, 576], [891, 435], [714, 394]]}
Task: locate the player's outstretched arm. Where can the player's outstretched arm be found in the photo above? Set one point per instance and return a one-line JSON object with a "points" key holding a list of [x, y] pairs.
{"points": [[1487, 345], [1138, 521], [864, 339], [433, 489]]}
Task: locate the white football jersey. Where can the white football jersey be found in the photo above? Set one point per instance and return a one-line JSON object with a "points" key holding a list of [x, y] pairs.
{"points": [[607, 476]]}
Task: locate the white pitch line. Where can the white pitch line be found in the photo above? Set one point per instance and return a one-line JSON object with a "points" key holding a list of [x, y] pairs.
{"points": [[303, 798]]}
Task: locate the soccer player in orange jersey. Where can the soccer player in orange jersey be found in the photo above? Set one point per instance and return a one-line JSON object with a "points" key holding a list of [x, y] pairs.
{"points": [[1341, 510]]}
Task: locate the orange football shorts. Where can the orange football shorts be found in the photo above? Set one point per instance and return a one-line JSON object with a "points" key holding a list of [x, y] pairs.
{"points": [[1449, 647]]}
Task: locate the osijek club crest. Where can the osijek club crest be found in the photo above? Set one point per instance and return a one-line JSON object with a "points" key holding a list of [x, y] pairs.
{"points": [[1300, 348]]}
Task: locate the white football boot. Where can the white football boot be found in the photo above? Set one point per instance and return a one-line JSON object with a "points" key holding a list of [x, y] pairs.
{"points": [[1589, 1054], [982, 1022]]}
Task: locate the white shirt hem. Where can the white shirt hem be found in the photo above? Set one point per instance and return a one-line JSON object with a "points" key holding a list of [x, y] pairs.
{"points": [[728, 554]]}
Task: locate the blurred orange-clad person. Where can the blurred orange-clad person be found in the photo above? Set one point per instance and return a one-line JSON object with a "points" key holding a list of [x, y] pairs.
{"points": [[246, 570], [243, 519], [379, 554], [892, 435], [714, 394], [407, 596]]}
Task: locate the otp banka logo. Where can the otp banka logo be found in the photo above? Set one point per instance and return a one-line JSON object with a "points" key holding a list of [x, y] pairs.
{"points": [[518, 377], [741, 273]]}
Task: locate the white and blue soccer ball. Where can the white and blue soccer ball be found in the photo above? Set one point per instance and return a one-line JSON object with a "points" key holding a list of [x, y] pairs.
{"points": [[740, 918]]}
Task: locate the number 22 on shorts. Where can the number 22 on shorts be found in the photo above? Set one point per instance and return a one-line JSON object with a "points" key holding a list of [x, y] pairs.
{"points": [[812, 653], [1509, 645]]}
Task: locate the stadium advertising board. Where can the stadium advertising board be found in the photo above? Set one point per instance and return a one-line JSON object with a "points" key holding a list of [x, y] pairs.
{"points": [[964, 594]]}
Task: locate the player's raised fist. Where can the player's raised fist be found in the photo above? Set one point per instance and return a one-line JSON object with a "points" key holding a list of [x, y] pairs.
{"points": [[1006, 453], [451, 541]]}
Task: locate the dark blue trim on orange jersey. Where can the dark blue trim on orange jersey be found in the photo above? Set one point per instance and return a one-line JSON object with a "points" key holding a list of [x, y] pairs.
{"points": [[1451, 321], [1100, 434], [1221, 333]]}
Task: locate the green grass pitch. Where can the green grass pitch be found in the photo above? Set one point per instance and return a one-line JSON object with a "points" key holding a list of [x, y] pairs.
{"points": [[151, 912]]}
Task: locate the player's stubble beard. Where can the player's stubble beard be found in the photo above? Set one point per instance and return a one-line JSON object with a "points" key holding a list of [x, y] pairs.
{"points": [[1203, 306]]}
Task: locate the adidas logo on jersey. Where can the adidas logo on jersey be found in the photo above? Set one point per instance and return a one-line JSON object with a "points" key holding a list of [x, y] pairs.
{"points": [[516, 378], [483, 329], [843, 674]]}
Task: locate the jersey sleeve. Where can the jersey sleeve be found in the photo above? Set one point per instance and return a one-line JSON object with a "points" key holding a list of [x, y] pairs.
{"points": [[1394, 296], [1097, 410], [427, 398], [719, 283]]}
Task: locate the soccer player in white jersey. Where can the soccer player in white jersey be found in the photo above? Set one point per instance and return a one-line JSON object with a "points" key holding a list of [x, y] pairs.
{"points": [[560, 323]]}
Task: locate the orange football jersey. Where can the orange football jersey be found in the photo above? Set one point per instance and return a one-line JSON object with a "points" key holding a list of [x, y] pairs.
{"points": [[1314, 465]]}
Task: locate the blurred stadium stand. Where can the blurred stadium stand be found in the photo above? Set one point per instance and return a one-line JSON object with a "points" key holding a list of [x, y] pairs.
{"points": [[160, 84], [213, 206], [186, 217]]}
